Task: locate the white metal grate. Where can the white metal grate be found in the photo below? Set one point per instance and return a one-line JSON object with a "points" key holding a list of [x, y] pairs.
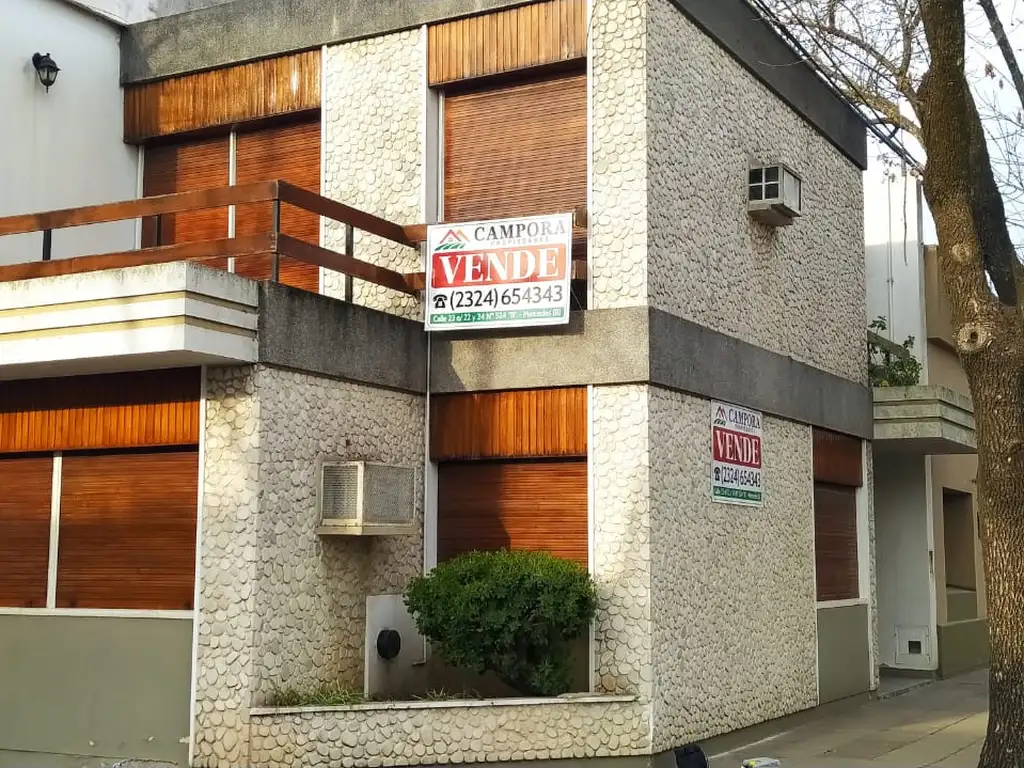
{"points": [[388, 494], [339, 492]]}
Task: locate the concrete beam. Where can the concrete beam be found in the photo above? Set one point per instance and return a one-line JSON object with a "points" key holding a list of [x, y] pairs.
{"points": [[631, 345], [642, 345], [307, 332], [691, 358], [606, 346], [246, 30]]}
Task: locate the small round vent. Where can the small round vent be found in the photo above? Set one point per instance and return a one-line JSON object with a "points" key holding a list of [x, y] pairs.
{"points": [[389, 644]]}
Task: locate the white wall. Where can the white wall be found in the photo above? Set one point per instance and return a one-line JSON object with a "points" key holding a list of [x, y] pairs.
{"points": [[903, 540], [894, 234], [63, 148]]}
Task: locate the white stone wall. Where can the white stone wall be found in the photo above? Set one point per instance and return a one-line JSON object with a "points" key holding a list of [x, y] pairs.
{"points": [[280, 606], [228, 556], [619, 136], [374, 101], [798, 290], [311, 593], [620, 478], [372, 736], [732, 587]]}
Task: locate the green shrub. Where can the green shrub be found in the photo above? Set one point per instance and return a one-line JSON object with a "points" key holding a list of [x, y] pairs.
{"points": [[511, 613]]}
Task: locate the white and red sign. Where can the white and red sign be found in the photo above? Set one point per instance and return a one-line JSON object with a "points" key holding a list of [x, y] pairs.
{"points": [[505, 273], [736, 455]]}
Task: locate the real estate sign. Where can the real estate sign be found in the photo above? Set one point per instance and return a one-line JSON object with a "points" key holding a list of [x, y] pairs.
{"points": [[736, 455], [505, 273]]}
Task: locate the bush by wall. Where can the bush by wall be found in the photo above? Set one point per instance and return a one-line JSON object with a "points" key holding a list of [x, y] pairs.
{"points": [[511, 613]]}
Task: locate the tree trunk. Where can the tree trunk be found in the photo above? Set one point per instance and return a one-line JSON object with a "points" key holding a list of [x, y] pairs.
{"points": [[973, 242], [996, 389]]}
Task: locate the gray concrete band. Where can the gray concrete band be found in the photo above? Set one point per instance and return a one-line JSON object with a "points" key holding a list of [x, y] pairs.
{"points": [[633, 345], [245, 30]]}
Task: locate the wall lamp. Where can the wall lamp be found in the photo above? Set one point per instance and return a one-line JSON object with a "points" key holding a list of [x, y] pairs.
{"points": [[46, 68]]}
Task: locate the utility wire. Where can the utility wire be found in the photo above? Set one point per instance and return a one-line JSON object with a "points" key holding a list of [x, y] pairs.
{"points": [[871, 123]]}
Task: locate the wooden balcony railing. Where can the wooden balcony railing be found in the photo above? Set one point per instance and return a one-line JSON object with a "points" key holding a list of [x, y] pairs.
{"points": [[272, 243]]}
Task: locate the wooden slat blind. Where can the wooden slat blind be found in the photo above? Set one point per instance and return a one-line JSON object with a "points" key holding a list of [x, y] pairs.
{"points": [[837, 459], [290, 152], [147, 408], [25, 487], [128, 530], [513, 505], [514, 424], [186, 167], [516, 150], [503, 41], [835, 542], [221, 97]]}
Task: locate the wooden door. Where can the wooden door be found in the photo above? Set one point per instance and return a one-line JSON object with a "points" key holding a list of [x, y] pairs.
{"points": [[290, 152], [187, 166]]}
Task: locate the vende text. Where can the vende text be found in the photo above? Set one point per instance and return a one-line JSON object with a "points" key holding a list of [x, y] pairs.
{"points": [[737, 448], [524, 264]]}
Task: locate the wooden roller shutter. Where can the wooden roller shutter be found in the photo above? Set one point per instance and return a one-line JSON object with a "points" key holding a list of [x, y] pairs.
{"points": [[25, 486], [128, 530], [105, 410], [187, 167], [837, 458], [835, 542], [516, 150], [513, 505], [526, 36], [290, 152], [528, 423]]}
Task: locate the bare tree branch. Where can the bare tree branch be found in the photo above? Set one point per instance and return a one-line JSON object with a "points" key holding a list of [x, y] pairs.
{"points": [[1005, 48]]}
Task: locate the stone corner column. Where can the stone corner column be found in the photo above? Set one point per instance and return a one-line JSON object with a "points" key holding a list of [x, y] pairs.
{"points": [[227, 569]]}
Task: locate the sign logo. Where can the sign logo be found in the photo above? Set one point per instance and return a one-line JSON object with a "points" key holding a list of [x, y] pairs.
{"points": [[736, 460], [720, 417], [505, 273], [453, 240]]}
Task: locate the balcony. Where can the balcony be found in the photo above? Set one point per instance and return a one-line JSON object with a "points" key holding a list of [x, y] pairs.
{"points": [[176, 304], [923, 420]]}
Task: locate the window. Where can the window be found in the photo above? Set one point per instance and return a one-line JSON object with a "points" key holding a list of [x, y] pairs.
{"points": [[100, 486], [128, 530], [838, 474], [518, 149], [835, 542], [24, 530]]}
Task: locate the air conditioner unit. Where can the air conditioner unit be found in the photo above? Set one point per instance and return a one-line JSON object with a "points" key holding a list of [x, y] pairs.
{"points": [[774, 195], [360, 498]]}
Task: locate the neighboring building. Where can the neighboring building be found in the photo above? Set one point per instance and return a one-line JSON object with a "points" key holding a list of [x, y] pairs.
{"points": [[164, 426], [931, 591], [63, 148]]}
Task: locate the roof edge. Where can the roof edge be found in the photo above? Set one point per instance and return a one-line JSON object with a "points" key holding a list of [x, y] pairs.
{"points": [[247, 30], [108, 16]]}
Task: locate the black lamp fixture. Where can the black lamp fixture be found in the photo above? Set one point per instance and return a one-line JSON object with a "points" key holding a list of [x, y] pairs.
{"points": [[46, 68]]}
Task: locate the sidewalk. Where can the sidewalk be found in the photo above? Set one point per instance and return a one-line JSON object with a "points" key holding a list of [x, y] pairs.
{"points": [[942, 724]]}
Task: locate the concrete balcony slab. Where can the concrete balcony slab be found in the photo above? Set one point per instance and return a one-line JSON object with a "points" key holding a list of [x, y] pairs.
{"points": [[923, 420], [136, 318]]}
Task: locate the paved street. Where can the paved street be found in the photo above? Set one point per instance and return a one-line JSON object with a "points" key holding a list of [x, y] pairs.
{"points": [[942, 724]]}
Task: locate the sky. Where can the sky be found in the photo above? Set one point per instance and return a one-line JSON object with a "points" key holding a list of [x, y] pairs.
{"points": [[889, 194]]}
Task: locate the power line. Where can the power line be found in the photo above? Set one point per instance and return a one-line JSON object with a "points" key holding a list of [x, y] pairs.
{"points": [[871, 123]]}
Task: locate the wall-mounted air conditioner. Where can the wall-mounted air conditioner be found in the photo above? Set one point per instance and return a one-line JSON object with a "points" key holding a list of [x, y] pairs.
{"points": [[774, 195], [360, 498]]}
